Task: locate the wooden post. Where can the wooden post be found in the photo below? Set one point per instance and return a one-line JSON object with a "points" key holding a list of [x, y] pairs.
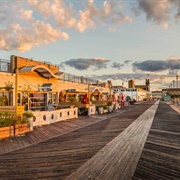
{"points": [[16, 90]]}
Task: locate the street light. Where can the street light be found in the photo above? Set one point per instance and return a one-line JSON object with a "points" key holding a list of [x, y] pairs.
{"points": [[177, 81], [173, 83]]}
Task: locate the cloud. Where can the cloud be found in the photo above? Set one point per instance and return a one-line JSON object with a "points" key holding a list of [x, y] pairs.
{"points": [[136, 76], [25, 24], [157, 65], [24, 38], [84, 64], [157, 11], [117, 65], [110, 12]]}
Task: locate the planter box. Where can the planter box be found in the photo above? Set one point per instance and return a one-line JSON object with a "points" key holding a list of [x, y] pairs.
{"points": [[6, 132], [22, 128], [100, 110]]}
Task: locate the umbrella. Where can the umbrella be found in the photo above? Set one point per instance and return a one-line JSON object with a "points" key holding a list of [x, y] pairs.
{"points": [[122, 97], [99, 96], [114, 98], [85, 99], [92, 96], [60, 96]]}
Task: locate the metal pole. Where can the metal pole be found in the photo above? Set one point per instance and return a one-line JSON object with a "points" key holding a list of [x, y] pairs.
{"points": [[177, 81], [88, 93]]}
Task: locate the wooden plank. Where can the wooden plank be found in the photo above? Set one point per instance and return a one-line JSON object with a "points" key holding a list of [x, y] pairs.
{"points": [[160, 158], [116, 155]]}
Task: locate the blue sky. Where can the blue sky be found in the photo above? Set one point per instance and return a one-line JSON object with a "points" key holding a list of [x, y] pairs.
{"points": [[108, 40]]}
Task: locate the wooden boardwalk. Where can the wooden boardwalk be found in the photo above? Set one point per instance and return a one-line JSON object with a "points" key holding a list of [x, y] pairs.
{"points": [[160, 158], [76, 144], [118, 159], [117, 146], [50, 131]]}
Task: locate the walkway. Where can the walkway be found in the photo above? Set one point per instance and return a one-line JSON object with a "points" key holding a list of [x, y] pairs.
{"points": [[160, 158], [100, 147]]}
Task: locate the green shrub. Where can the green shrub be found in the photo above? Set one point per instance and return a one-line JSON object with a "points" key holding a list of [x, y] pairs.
{"points": [[10, 119], [28, 114]]}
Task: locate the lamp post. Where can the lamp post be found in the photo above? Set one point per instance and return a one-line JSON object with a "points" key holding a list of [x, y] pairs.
{"points": [[173, 83], [177, 81]]}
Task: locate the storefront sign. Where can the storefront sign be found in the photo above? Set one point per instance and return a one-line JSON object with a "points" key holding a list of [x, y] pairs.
{"points": [[20, 110], [71, 90]]}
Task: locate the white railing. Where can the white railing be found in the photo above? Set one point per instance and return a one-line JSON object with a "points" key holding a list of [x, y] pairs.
{"points": [[48, 117]]}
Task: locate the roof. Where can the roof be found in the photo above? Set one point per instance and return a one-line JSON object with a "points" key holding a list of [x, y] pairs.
{"points": [[42, 70]]}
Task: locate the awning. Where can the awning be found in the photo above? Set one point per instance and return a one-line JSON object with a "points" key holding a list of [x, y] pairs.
{"points": [[42, 70]]}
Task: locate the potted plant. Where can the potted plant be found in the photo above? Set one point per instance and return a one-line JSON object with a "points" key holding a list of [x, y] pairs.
{"points": [[29, 117], [110, 106], [105, 109], [100, 109]]}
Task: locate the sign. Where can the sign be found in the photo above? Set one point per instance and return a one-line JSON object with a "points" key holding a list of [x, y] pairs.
{"points": [[47, 85], [20, 110], [71, 90]]}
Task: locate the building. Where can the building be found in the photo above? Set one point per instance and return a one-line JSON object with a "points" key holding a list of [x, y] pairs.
{"points": [[146, 86], [157, 94], [137, 94], [36, 84]]}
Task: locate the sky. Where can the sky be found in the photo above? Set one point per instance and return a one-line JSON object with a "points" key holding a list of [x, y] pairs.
{"points": [[115, 40]]}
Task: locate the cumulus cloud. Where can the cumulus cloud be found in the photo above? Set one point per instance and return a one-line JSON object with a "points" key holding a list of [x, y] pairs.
{"points": [[157, 11], [24, 24], [24, 38], [157, 65], [84, 64], [109, 12]]}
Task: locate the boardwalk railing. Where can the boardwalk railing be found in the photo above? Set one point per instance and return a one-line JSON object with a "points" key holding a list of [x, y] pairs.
{"points": [[5, 66], [48, 117], [80, 79]]}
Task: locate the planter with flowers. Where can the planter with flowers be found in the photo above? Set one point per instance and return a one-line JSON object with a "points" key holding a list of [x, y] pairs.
{"points": [[11, 125]]}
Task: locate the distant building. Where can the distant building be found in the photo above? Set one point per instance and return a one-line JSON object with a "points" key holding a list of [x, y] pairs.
{"points": [[157, 94], [146, 86], [137, 94], [131, 83]]}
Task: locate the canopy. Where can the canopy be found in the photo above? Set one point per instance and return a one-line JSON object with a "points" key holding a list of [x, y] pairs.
{"points": [[42, 70]]}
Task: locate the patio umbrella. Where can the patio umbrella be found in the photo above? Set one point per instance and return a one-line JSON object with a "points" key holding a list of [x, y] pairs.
{"points": [[99, 96], [60, 96], [92, 96], [114, 98], [85, 99], [122, 97]]}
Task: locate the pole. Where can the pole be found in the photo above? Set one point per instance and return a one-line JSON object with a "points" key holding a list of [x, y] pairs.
{"points": [[16, 91], [88, 93], [177, 81]]}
